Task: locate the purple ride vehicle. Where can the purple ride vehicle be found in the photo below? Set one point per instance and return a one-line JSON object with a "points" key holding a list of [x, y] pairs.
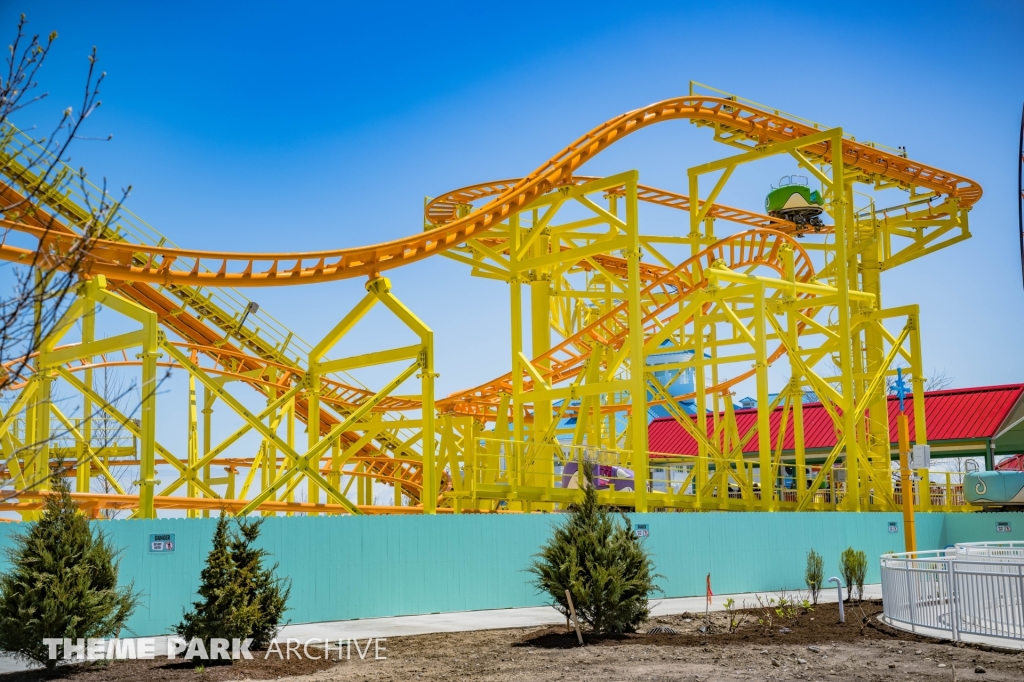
{"points": [[619, 479]]}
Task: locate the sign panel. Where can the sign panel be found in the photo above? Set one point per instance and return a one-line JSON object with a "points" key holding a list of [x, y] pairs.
{"points": [[161, 542], [894, 527], [1003, 526], [641, 530]]}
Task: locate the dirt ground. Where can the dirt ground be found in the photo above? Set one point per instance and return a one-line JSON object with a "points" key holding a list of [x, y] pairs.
{"points": [[806, 646], [815, 648], [163, 670]]}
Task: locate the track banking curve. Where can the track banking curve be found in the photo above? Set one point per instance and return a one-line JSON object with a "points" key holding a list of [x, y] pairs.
{"points": [[444, 209], [568, 359], [137, 270], [161, 265]]}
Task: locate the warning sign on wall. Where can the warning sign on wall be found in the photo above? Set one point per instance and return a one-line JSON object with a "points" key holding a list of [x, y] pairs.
{"points": [[161, 542]]}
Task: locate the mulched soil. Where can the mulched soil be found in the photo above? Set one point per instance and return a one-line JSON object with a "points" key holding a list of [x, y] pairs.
{"points": [[808, 627]]}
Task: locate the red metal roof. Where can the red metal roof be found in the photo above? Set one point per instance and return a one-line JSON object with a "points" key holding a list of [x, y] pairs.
{"points": [[1011, 463], [954, 414]]}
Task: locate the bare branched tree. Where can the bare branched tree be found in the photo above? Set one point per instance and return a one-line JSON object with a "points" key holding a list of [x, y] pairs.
{"points": [[33, 179], [50, 217], [938, 380], [108, 433], [107, 439], [958, 466]]}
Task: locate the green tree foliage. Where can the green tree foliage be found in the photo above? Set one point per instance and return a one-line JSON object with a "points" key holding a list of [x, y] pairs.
{"points": [[602, 563], [860, 573], [264, 591], [241, 598], [814, 574], [854, 566], [62, 583]]}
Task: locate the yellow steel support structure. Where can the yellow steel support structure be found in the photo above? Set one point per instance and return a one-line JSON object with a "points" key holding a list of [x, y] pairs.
{"points": [[617, 320]]}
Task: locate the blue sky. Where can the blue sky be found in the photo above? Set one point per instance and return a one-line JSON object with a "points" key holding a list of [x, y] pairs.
{"points": [[274, 126]]}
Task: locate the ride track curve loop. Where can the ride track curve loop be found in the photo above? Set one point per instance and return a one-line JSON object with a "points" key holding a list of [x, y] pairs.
{"points": [[669, 287], [568, 359], [443, 209], [169, 266], [134, 268]]}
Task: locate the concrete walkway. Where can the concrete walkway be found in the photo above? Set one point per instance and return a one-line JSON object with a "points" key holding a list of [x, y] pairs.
{"points": [[500, 619]]}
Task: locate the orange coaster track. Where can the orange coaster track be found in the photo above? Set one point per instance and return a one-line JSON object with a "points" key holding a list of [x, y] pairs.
{"points": [[153, 275]]}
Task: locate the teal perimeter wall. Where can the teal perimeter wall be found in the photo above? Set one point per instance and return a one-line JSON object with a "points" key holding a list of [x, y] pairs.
{"points": [[364, 567]]}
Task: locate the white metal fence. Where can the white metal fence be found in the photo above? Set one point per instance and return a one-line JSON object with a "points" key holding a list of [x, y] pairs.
{"points": [[968, 591]]}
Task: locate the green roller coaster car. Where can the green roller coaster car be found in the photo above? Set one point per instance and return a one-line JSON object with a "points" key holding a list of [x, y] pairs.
{"points": [[792, 200]]}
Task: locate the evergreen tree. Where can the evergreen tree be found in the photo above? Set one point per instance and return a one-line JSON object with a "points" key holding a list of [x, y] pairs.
{"points": [[216, 614], [62, 583], [240, 597], [602, 563], [264, 593]]}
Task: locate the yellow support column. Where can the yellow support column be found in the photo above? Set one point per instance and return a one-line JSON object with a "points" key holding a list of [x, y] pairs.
{"points": [[795, 381], [147, 435], [701, 475], [39, 474], [289, 495], [208, 398], [84, 482], [431, 482], [37, 469], [764, 436], [637, 364], [839, 216], [312, 425], [917, 378], [542, 468], [700, 371], [878, 439], [193, 440], [514, 453]]}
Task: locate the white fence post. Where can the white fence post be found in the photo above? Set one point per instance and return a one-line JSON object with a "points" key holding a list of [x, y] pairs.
{"points": [[951, 596], [911, 595]]}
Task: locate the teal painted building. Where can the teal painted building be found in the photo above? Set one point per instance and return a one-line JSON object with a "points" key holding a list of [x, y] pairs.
{"points": [[346, 567]]}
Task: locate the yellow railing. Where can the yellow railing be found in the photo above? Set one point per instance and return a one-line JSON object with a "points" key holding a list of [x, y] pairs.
{"points": [[496, 469], [695, 87]]}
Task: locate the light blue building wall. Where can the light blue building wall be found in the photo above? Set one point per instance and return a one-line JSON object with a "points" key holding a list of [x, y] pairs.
{"points": [[349, 567]]}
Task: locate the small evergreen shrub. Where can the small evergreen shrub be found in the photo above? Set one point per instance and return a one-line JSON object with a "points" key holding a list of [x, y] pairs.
{"points": [[814, 575], [240, 597], [602, 563], [853, 564], [62, 583]]}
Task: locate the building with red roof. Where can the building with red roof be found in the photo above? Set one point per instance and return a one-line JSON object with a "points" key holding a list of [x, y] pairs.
{"points": [[962, 422]]}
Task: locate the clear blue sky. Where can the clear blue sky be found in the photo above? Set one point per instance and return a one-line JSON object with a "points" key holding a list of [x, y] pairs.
{"points": [[272, 126]]}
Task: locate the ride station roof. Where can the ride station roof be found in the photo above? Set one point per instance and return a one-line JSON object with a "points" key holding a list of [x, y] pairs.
{"points": [[962, 422]]}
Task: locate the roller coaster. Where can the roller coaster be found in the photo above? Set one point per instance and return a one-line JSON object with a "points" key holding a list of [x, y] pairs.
{"points": [[607, 323]]}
